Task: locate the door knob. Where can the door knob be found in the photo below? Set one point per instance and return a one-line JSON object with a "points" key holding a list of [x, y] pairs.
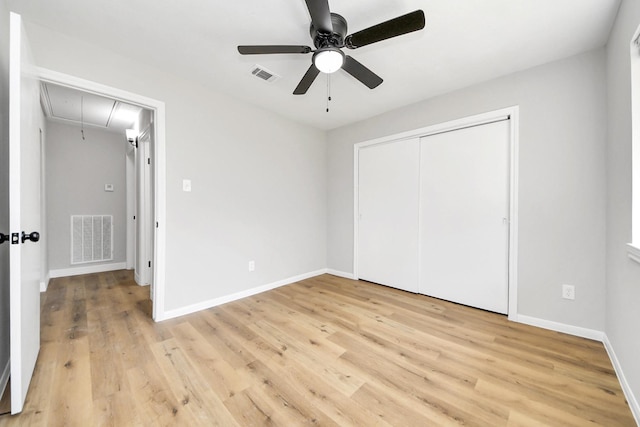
{"points": [[3, 238], [33, 236]]}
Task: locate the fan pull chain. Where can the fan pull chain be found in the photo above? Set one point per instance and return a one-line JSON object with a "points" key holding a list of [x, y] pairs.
{"points": [[328, 90]]}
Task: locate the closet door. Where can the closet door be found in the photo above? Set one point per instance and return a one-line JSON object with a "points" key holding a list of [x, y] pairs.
{"points": [[388, 182], [464, 210]]}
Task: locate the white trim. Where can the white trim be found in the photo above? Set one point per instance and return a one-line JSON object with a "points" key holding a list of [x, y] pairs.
{"points": [[160, 247], [634, 59], [512, 113], [73, 82], [514, 172], [158, 107], [76, 271], [341, 274], [475, 120], [577, 331], [356, 208], [633, 251], [626, 388], [170, 314], [4, 378], [44, 285]]}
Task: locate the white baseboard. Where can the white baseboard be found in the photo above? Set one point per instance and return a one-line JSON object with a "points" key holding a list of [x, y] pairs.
{"points": [[4, 378], [44, 285], [170, 314], [628, 393], [76, 271], [341, 274], [591, 334], [594, 335]]}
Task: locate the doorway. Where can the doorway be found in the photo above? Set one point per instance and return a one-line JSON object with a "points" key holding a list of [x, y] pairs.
{"points": [[155, 175], [89, 138]]}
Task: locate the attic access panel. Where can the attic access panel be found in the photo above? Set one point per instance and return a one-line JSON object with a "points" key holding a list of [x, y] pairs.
{"points": [[76, 107]]}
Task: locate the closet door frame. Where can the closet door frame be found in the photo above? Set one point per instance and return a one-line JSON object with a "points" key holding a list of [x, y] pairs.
{"points": [[512, 113]]}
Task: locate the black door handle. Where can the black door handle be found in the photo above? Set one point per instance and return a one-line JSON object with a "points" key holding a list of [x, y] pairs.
{"points": [[3, 238], [34, 236]]}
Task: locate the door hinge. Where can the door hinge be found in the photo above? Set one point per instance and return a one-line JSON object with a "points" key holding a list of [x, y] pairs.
{"points": [[15, 238], [149, 161], [156, 224], [149, 264]]}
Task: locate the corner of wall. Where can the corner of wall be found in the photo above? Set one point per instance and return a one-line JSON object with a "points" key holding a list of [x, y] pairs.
{"points": [[626, 388]]}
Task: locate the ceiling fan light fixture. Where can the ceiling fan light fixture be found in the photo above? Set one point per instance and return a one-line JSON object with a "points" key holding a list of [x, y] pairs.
{"points": [[328, 60]]}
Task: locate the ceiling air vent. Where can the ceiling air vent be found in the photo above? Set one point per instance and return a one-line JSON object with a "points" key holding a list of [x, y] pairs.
{"points": [[264, 74]]}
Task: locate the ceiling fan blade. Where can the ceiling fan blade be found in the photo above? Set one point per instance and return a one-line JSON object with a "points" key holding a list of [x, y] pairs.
{"points": [[362, 73], [404, 24], [307, 80], [320, 15], [268, 49]]}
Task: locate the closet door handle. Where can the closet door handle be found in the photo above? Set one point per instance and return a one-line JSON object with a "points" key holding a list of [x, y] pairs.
{"points": [[3, 238]]}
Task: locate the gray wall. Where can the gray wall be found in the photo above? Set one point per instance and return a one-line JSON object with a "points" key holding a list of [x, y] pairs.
{"points": [[76, 173], [562, 180], [259, 180], [4, 185], [575, 181], [623, 275]]}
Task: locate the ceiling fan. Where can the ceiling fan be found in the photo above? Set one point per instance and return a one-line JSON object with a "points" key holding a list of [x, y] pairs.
{"points": [[329, 33]]}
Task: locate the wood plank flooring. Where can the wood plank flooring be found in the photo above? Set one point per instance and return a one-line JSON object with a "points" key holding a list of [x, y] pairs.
{"points": [[5, 401], [324, 351]]}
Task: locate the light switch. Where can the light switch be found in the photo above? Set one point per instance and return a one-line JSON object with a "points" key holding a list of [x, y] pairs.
{"points": [[186, 185], [108, 187]]}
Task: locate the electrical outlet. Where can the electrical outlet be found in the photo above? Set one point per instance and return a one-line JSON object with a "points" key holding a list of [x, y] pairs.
{"points": [[252, 265], [568, 292]]}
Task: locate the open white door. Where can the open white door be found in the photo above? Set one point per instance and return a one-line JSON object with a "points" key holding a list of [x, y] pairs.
{"points": [[145, 223], [24, 215]]}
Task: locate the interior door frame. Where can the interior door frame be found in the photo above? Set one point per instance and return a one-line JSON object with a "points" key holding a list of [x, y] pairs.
{"points": [[158, 108], [512, 113]]}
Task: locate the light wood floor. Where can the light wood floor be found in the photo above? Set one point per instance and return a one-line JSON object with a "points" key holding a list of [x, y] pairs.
{"points": [[324, 351], [5, 401]]}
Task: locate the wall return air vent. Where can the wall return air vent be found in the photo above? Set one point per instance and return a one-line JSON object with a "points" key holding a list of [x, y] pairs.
{"points": [[91, 238], [264, 74]]}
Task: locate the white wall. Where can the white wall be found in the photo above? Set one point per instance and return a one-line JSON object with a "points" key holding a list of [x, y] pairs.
{"points": [[259, 180], [76, 173], [4, 186], [623, 275], [562, 180]]}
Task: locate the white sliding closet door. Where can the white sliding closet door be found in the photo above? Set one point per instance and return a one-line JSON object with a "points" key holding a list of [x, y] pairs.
{"points": [[388, 204], [464, 211]]}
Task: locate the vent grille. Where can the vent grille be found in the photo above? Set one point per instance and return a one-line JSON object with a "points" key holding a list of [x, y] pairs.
{"points": [[91, 238], [264, 74]]}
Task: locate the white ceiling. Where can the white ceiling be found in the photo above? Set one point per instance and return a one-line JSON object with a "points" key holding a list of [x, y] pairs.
{"points": [[464, 42], [77, 108]]}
